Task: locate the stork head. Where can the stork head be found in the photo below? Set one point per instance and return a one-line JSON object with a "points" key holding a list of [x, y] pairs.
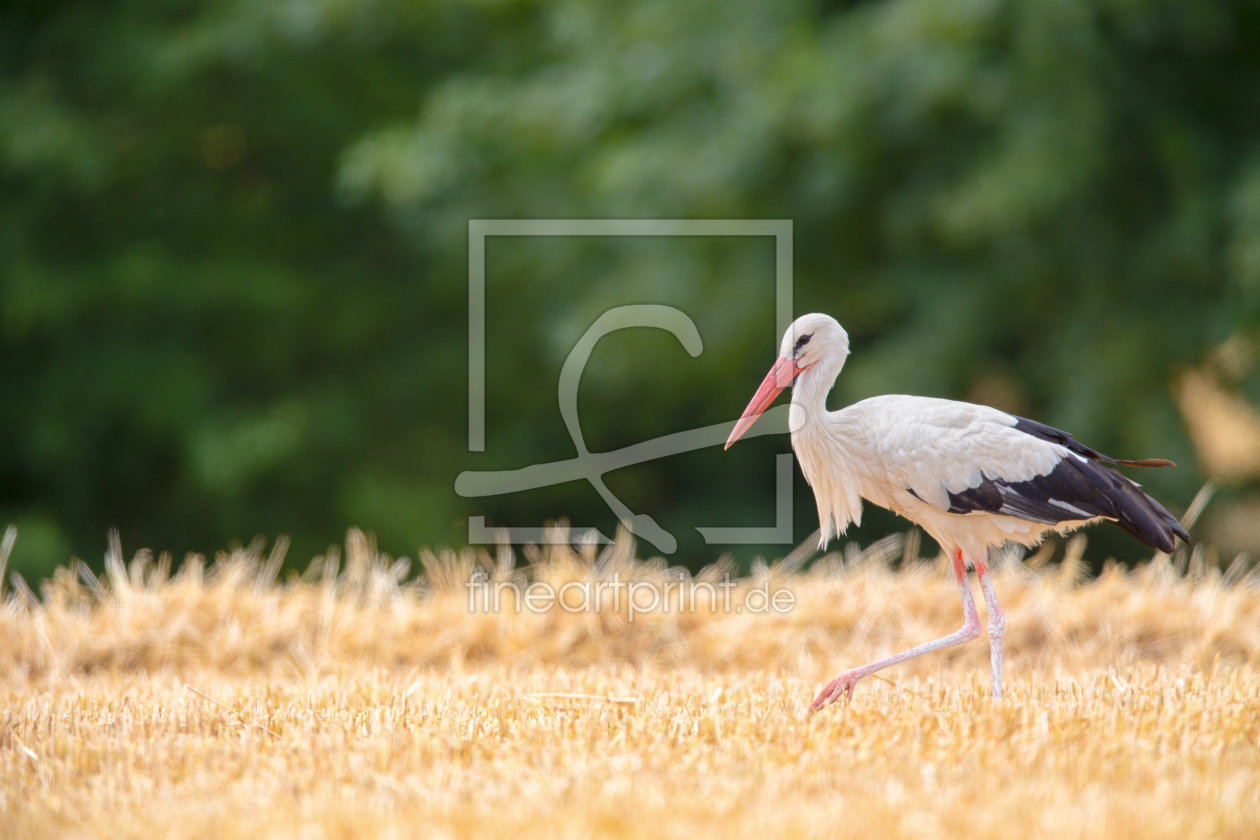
{"points": [[813, 340]]}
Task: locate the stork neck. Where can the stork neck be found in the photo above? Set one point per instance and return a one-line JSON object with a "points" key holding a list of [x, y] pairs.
{"points": [[809, 392], [825, 449]]}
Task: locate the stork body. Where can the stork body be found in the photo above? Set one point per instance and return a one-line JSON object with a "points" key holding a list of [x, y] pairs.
{"points": [[971, 476]]}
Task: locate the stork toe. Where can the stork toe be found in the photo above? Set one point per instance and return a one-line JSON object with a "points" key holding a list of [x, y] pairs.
{"points": [[843, 684]]}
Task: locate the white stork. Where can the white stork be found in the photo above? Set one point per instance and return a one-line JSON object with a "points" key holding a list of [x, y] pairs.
{"points": [[971, 476]]}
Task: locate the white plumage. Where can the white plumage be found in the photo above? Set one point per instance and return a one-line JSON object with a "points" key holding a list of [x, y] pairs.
{"points": [[971, 476], [909, 453]]}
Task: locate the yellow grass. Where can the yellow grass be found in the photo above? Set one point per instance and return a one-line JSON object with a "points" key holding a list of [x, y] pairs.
{"points": [[221, 703]]}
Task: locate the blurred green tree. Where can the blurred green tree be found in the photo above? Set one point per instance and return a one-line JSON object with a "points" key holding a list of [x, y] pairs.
{"points": [[233, 242]]}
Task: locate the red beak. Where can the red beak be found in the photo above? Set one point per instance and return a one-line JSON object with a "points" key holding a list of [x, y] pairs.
{"points": [[779, 377]]}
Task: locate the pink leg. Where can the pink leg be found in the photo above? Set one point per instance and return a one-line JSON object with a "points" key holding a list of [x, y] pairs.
{"points": [[997, 626], [844, 683]]}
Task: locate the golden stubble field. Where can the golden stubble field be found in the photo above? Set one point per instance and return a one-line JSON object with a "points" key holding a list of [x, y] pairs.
{"points": [[220, 702]]}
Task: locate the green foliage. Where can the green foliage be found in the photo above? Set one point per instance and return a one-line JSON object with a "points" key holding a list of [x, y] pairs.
{"points": [[233, 241]]}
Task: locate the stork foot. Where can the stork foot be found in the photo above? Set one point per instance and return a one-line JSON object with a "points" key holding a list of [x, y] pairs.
{"points": [[842, 684]]}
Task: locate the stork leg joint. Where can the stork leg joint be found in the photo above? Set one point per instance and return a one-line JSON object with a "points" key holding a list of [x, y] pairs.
{"points": [[970, 631], [997, 623]]}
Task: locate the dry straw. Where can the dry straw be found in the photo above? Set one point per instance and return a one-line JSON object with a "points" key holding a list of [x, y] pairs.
{"points": [[356, 700]]}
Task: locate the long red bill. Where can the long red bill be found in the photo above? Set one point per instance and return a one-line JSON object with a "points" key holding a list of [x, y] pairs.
{"points": [[779, 377]]}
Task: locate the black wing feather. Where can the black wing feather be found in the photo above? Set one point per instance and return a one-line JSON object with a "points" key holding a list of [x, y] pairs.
{"points": [[1077, 488], [1050, 433]]}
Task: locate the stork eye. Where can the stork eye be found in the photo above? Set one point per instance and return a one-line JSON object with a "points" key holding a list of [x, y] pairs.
{"points": [[801, 342]]}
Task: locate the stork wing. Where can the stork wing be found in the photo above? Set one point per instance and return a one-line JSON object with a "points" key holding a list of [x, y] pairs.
{"points": [[969, 459]]}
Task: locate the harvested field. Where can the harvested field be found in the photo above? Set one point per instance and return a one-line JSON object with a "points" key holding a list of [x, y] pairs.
{"points": [[220, 702]]}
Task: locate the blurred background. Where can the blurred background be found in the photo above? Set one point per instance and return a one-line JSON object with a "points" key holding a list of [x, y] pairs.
{"points": [[234, 254]]}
